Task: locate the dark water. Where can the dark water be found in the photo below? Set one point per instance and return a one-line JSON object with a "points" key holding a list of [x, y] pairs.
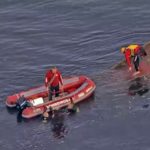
{"points": [[80, 37]]}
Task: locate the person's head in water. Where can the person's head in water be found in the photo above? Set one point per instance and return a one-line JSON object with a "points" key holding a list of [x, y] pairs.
{"points": [[45, 114], [71, 104], [54, 69]]}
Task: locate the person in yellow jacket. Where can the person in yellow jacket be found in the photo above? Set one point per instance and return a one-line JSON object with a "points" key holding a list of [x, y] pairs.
{"points": [[132, 54]]}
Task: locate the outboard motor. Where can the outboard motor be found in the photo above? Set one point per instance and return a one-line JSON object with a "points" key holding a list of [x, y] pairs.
{"points": [[22, 103]]}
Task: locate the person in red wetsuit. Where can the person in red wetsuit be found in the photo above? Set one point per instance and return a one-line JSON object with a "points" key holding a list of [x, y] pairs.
{"points": [[132, 54], [53, 82]]}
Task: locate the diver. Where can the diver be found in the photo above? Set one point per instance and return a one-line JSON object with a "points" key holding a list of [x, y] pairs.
{"points": [[138, 86], [53, 82], [133, 53], [57, 120], [49, 113]]}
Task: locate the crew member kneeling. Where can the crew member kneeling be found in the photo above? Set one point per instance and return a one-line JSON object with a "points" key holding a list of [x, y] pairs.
{"points": [[53, 82], [133, 53]]}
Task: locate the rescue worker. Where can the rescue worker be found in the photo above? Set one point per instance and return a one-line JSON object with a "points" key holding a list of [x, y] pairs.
{"points": [[53, 82], [133, 53]]}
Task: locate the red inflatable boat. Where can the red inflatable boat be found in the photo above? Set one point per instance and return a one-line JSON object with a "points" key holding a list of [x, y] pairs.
{"points": [[75, 89]]}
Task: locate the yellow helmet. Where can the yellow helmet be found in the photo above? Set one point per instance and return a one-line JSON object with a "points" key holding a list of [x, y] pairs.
{"points": [[122, 49]]}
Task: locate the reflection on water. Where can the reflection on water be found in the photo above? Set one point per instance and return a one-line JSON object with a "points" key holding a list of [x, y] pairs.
{"points": [[56, 118], [58, 126], [19, 116]]}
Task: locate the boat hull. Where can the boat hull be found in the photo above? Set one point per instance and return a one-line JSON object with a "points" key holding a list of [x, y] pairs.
{"points": [[77, 89]]}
